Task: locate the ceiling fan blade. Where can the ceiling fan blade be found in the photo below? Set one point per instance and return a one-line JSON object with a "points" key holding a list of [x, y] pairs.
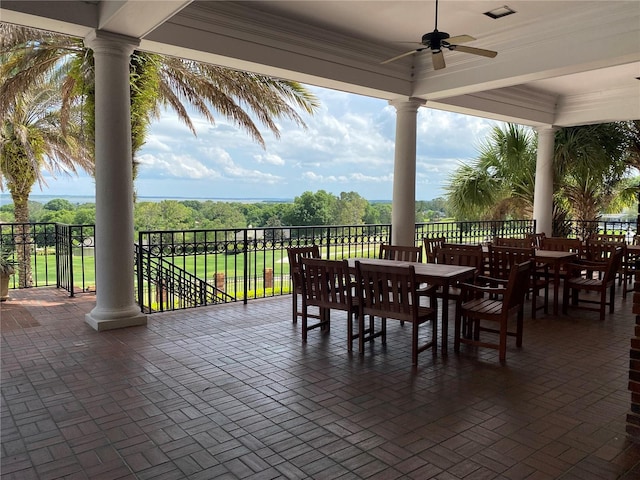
{"points": [[438, 60], [397, 57], [474, 50], [460, 39]]}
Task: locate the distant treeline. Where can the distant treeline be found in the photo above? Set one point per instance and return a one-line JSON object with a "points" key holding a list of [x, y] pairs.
{"points": [[319, 208]]}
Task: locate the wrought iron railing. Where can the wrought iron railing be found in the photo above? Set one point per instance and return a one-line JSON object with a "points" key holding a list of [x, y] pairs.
{"points": [[75, 258], [583, 229], [475, 232], [48, 254], [210, 266], [164, 286]]}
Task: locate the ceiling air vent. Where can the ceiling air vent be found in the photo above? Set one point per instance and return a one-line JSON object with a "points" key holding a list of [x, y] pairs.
{"points": [[499, 12]]}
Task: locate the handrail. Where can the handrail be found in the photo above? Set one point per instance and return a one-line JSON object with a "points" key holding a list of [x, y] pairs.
{"points": [[173, 284], [237, 264]]}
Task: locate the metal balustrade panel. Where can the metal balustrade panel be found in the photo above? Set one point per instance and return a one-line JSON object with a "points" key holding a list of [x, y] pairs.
{"points": [[189, 268]]}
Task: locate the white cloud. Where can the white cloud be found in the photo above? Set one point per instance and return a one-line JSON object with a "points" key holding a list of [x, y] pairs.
{"points": [[269, 158], [177, 166], [348, 145]]}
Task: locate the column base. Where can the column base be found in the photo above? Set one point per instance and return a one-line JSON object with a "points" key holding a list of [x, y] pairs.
{"points": [[101, 320]]}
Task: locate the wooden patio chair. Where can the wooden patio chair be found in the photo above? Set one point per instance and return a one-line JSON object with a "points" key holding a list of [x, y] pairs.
{"points": [[327, 285], [400, 252], [600, 251], [404, 254], [295, 254], [392, 292], [431, 246], [490, 305], [502, 259], [466, 255], [580, 277]]}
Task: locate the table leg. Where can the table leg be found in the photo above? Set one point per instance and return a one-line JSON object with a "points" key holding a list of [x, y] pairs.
{"points": [[445, 317], [556, 286]]}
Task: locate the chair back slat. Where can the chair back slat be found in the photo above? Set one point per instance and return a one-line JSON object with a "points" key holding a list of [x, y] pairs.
{"points": [[518, 284], [562, 244], [431, 246], [513, 242], [326, 283], [400, 252], [601, 250], [536, 239], [461, 254], [387, 291], [295, 254], [608, 237], [502, 259]]}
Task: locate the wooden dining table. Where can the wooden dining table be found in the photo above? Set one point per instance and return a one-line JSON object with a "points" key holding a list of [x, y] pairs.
{"points": [[432, 274], [555, 259]]}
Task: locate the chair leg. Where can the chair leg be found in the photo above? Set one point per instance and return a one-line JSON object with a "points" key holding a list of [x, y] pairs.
{"points": [[456, 332], [612, 295], [294, 305], [434, 334], [546, 298], [304, 323], [519, 328], [502, 348], [414, 343], [361, 334], [534, 302], [349, 331], [383, 330]]}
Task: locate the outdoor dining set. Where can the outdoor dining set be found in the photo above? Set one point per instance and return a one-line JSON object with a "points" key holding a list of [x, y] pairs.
{"points": [[489, 284]]}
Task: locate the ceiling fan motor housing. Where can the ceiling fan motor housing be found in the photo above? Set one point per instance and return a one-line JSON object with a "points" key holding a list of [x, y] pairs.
{"points": [[434, 39]]}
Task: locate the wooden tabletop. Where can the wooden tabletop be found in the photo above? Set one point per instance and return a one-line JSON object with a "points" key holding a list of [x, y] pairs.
{"points": [[424, 271], [554, 254]]}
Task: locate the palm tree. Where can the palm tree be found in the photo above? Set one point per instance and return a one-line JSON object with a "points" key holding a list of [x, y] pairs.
{"points": [[500, 181], [590, 166], [31, 57], [35, 137], [157, 82]]}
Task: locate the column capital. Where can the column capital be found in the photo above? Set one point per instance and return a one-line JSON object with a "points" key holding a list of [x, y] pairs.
{"points": [[107, 42], [407, 104], [546, 129]]}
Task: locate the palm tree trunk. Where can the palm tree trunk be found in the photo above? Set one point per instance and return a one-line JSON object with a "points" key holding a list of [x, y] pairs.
{"points": [[22, 238]]}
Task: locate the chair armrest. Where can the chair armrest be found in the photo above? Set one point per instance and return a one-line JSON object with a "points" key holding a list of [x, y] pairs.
{"points": [[576, 269], [468, 287], [490, 280]]}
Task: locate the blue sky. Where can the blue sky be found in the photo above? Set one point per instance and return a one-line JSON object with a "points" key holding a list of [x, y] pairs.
{"points": [[348, 146]]}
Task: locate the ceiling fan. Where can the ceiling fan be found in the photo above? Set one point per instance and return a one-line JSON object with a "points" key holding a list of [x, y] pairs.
{"points": [[436, 41]]}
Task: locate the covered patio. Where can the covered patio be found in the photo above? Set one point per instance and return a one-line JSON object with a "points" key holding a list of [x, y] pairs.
{"points": [[231, 392]]}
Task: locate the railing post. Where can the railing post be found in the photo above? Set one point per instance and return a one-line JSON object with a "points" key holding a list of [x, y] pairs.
{"points": [[246, 265], [328, 241], [57, 250], [139, 275], [72, 288]]}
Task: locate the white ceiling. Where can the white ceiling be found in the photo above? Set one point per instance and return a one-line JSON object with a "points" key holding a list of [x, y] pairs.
{"points": [[559, 62]]}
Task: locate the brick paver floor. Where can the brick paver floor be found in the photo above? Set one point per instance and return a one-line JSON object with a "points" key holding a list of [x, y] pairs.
{"points": [[231, 392]]}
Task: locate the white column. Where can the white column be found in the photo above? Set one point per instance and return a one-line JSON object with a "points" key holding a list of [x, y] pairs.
{"points": [[403, 206], [543, 193], [114, 256]]}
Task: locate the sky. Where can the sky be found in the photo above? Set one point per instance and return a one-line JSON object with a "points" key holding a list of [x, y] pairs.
{"points": [[348, 145]]}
